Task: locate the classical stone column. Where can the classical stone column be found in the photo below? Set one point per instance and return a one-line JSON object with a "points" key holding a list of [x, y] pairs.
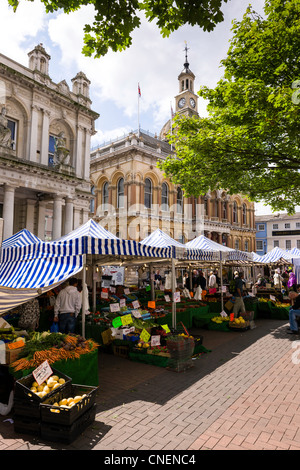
{"points": [[77, 218], [41, 220], [78, 153], [30, 212], [57, 217], [33, 133], [8, 211], [68, 215]]}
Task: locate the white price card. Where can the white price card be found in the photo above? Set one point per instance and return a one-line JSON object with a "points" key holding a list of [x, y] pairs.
{"points": [[136, 313], [122, 302], [112, 290], [223, 314], [126, 291], [104, 295], [176, 297], [114, 307], [155, 340], [272, 297], [42, 372], [135, 304], [167, 298]]}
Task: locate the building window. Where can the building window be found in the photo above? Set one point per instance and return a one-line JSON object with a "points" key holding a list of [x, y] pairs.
{"points": [[275, 243], [120, 194], [165, 197], [246, 245], [148, 193], [237, 244], [275, 226], [287, 225], [297, 224], [12, 125], [298, 244], [92, 201], [244, 214], [234, 214], [51, 150], [261, 227], [181, 239], [105, 196], [288, 244], [259, 245], [179, 201]]}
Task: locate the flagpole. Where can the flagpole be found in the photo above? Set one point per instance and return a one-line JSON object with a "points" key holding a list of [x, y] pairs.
{"points": [[139, 94]]}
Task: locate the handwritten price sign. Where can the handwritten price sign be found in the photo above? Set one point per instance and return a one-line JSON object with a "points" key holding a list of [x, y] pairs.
{"points": [[42, 372]]}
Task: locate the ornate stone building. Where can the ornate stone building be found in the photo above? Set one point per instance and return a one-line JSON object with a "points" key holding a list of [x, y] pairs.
{"points": [[133, 198], [45, 132]]}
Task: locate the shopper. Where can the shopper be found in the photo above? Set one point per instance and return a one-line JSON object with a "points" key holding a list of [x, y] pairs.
{"points": [[277, 279], [212, 281], [238, 294], [292, 282], [201, 281], [29, 315], [67, 306], [294, 311]]}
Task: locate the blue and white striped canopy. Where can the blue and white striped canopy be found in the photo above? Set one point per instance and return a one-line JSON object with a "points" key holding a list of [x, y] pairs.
{"points": [[225, 253], [276, 255], [158, 238], [29, 264]]}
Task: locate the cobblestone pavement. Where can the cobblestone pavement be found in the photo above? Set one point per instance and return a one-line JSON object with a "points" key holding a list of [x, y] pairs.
{"points": [[242, 395]]}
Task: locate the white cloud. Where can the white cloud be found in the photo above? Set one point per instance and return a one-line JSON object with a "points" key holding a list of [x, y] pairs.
{"points": [[20, 27]]}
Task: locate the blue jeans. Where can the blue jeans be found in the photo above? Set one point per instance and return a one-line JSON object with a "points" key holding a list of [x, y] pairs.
{"points": [[67, 323], [292, 318]]}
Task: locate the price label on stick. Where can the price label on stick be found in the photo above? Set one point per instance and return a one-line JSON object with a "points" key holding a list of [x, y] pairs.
{"points": [[122, 302], [135, 304], [126, 319], [176, 297], [42, 372], [144, 336], [155, 340], [167, 298], [117, 322], [166, 328], [114, 307]]}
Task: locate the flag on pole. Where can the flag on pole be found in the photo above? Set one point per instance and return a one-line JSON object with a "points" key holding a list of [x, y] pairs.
{"points": [[172, 112], [139, 90]]}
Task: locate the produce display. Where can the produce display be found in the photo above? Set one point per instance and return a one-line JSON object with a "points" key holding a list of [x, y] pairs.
{"points": [[68, 402], [51, 384], [51, 347]]}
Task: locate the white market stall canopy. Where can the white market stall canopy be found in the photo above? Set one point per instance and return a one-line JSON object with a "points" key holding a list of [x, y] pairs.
{"points": [[181, 251], [277, 255], [225, 253], [33, 266]]}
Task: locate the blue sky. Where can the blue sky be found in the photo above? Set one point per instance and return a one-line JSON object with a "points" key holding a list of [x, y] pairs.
{"points": [[152, 61]]}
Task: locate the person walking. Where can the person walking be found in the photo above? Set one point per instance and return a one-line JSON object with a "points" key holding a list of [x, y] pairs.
{"points": [[67, 307], [294, 311], [238, 294]]}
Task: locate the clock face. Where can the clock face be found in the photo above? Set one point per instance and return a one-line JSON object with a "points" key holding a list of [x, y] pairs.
{"points": [[192, 102], [181, 102]]}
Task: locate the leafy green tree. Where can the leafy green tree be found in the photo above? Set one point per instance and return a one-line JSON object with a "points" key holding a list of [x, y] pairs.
{"points": [[115, 20], [249, 143]]}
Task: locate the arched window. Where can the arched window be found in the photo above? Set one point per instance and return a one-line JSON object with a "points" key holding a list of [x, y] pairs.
{"points": [[237, 244], [246, 245], [244, 214], [164, 197], [179, 201], [105, 196], [234, 215], [120, 194], [148, 193]]}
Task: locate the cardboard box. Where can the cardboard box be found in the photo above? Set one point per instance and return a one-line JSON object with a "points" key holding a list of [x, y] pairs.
{"points": [[12, 354]]}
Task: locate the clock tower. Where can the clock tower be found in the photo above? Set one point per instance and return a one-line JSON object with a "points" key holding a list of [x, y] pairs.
{"points": [[186, 100]]}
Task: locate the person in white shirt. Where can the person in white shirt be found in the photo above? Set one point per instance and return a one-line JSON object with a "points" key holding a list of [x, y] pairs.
{"points": [[212, 282], [67, 306]]}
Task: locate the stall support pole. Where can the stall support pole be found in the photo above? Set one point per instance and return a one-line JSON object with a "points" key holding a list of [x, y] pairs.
{"points": [[221, 278], [94, 287], [173, 292], [84, 287]]}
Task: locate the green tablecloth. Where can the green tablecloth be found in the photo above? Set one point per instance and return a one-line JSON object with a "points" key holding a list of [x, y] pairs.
{"points": [[83, 371]]}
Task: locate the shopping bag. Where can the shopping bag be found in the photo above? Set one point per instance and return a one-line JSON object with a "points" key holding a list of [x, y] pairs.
{"points": [[54, 327]]}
